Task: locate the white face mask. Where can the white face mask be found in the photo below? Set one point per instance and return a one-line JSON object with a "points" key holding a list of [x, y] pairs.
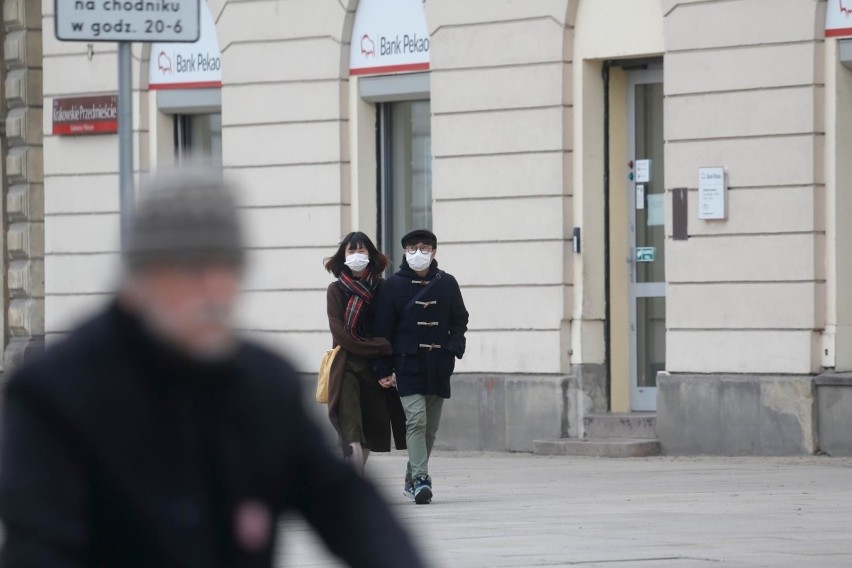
{"points": [[418, 261], [357, 261]]}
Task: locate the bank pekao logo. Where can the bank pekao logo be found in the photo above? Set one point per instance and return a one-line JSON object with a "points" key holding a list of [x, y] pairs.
{"points": [[164, 63], [845, 10], [368, 48]]}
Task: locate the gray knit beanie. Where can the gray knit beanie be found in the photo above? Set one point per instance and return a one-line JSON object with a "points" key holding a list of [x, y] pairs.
{"points": [[185, 216]]}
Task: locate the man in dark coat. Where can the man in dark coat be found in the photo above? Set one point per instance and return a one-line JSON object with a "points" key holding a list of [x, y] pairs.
{"points": [[153, 437], [420, 310]]}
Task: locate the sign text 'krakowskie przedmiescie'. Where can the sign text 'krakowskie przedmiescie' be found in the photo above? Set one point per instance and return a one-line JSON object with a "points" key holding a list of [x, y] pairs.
{"points": [[85, 115]]}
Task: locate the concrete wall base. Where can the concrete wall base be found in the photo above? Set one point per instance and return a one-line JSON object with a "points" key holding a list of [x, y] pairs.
{"points": [[506, 412], [737, 415], [834, 400]]}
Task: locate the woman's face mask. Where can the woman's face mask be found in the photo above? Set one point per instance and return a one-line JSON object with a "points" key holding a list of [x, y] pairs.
{"points": [[357, 261]]}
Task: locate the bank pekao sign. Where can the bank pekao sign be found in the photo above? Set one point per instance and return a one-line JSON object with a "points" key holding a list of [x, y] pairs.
{"points": [[188, 65], [838, 18], [389, 36]]}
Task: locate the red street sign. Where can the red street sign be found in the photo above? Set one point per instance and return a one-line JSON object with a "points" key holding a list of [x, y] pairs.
{"points": [[85, 115]]}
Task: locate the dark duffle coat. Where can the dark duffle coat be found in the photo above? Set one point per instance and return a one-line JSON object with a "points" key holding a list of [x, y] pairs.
{"points": [[119, 451], [427, 336], [378, 421]]}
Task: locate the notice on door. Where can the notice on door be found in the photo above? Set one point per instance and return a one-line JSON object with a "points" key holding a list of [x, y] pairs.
{"points": [[712, 193], [127, 20], [643, 171], [646, 254], [656, 210]]}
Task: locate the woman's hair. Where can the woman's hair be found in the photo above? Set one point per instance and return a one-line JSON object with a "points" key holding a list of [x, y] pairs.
{"points": [[336, 264]]}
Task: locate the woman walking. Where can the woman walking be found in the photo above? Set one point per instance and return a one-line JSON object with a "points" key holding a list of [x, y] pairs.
{"points": [[364, 411]]}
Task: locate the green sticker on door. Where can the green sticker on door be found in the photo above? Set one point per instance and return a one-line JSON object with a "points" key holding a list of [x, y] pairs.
{"points": [[646, 254]]}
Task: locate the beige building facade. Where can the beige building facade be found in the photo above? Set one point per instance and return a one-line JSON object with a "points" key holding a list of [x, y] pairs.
{"points": [[564, 152]]}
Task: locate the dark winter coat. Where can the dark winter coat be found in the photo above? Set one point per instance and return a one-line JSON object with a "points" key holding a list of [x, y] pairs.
{"points": [[378, 421], [438, 320], [119, 451]]}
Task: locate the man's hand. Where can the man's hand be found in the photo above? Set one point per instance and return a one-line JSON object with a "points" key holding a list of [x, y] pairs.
{"points": [[388, 382]]}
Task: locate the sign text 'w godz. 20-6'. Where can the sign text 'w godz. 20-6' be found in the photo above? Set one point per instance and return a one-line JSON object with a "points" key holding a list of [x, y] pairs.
{"points": [[127, 20]]}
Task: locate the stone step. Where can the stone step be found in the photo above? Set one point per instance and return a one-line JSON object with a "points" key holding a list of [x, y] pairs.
{"points": [[642, 425], [598, 447]]}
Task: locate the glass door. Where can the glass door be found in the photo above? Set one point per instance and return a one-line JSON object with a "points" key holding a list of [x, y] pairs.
{"points": [[405, 198], [647, 236]]}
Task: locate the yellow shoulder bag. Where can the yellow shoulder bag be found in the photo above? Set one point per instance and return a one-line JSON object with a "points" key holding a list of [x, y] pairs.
{"points": [[324, 372]]}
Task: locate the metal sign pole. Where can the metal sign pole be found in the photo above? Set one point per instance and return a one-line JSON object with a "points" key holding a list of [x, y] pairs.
{"points": [[125, 138], [96, 21]]}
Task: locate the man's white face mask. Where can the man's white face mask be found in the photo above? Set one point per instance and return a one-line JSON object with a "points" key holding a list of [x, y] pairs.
{"points": [[418, 261]]}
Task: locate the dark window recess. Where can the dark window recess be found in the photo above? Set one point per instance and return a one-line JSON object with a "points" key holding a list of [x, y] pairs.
{"points": [[198, 136], [405, 172]]}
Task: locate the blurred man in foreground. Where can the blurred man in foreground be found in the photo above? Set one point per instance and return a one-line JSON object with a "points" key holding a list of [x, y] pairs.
{"points": [[152, 436]]}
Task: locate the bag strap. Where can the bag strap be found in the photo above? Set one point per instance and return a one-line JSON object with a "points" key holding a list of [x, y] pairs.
{"points": [[424, 290]]}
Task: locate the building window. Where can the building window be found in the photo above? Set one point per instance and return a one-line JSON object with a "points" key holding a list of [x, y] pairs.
{"points": [[198, 136], [405, 172]]}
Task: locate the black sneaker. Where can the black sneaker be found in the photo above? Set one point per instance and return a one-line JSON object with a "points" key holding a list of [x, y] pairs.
{"points": [[422, 489], [408, 488]]}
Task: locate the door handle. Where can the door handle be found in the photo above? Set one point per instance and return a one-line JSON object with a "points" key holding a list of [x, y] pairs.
{"points": [[631, 262]]}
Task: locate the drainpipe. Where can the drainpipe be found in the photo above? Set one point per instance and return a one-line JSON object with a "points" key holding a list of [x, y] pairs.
{"points": [[607, 331]]}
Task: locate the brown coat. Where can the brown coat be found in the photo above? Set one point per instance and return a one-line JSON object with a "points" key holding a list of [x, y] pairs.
{"points": [[392, 416]]}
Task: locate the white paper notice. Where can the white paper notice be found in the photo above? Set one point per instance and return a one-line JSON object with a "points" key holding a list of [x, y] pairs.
{"points": [[643, 171], [640, 196], [656, 209], [711, 193]]}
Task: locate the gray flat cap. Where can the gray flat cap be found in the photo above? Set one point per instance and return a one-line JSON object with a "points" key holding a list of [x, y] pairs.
{"points": [[185, 216]]}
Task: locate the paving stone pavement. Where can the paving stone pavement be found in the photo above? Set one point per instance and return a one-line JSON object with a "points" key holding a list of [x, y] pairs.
{"points": [[513, 510]]}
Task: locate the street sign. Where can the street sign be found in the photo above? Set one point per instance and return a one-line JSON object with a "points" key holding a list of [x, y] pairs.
{"points": [[85, 115], [646, 254], [127, 20]]}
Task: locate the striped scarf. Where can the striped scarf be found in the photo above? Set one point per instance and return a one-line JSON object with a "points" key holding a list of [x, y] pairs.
{"points": [[360, 294]]}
